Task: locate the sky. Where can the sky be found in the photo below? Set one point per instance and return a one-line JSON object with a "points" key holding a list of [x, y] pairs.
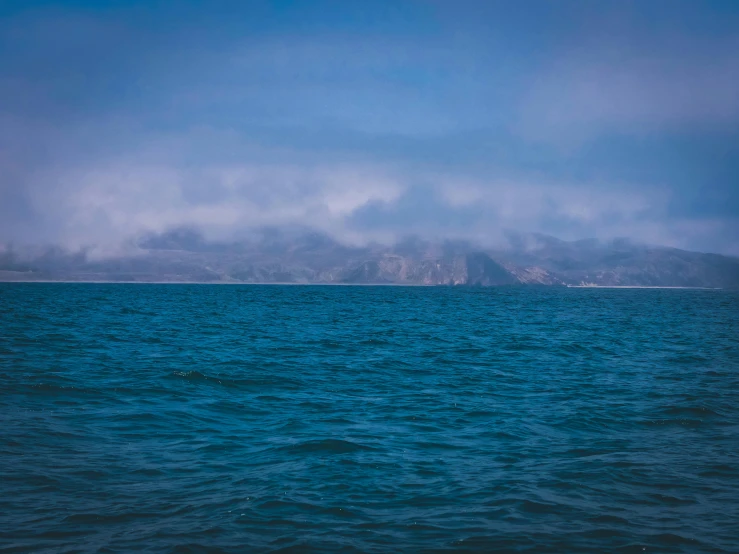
{"points": [[370, 120]]}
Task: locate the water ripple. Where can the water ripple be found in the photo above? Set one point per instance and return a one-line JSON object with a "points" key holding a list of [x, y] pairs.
{"points": [[367, 419]]}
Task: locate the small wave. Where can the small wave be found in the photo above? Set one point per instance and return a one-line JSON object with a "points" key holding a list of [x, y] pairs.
{"points": [[471, 350], [534, 507], [87, 518], [374, 342], [683, 415], [286, 506], [670, 422], [521, 346], [147, 472], [66, 390], [687, 359], [609, 519], [720, 470], [303, 548], [587, 452], [667, 499], [134, 311], [671, 538], [269, 398], [574, 348], [195, 376], [330, 344], [196, 548], [604, 533], [337, 421], [437, 445], [689, 412], [326, 446]]}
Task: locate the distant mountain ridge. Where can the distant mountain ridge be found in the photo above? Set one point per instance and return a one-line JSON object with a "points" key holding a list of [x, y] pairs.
{"points": [[290, 256]]}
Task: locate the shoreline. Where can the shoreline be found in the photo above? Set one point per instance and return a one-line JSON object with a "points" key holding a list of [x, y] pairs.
{"points": [[639, 287], [102, 282], [226, 283]]}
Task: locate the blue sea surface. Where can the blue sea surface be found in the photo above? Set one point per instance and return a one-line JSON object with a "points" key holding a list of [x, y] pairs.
{"points": [[211, 418]]}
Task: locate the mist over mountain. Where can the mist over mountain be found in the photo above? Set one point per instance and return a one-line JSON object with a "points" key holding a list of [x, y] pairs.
{"points": [[290, 255], [367, 121]]}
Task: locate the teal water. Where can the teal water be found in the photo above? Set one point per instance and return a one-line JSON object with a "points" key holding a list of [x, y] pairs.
{"points": [[206, 418]]}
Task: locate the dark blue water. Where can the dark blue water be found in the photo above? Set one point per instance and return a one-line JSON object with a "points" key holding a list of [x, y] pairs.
{"points": [[198, 418]]}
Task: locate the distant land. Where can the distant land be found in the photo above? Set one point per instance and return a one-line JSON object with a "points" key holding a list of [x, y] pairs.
{"points": [[307, 257]]}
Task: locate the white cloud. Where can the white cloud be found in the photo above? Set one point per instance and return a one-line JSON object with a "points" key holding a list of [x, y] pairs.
{"points": [[116, 200], [582, 94]]}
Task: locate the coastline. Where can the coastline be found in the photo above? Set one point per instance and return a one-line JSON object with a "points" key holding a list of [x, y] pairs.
{"points": [[639, 287], [319, 284], [104, 282]]}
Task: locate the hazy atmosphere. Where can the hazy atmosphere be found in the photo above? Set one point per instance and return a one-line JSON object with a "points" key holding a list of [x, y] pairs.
{"points": [[369, 276], [370, 120]]}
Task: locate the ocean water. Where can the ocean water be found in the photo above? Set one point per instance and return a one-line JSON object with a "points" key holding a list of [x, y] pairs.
{"points": [[207, 418]]}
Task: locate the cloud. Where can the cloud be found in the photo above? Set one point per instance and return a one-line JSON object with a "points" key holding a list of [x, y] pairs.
{"points": [[371, 123], [579, 97], [110, 199], [156, 189]]}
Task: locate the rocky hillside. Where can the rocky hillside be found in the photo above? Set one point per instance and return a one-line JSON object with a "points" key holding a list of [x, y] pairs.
{"points": [[277, 256]]}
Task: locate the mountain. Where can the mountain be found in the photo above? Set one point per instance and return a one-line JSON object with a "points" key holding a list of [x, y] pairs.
{"points": [[300, 256]]}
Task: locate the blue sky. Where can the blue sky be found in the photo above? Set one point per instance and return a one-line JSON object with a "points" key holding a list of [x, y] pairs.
{"points": [[371, 120]]}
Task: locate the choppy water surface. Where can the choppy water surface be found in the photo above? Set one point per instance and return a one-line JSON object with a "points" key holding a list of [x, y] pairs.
{"points": [[197, 418]]}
